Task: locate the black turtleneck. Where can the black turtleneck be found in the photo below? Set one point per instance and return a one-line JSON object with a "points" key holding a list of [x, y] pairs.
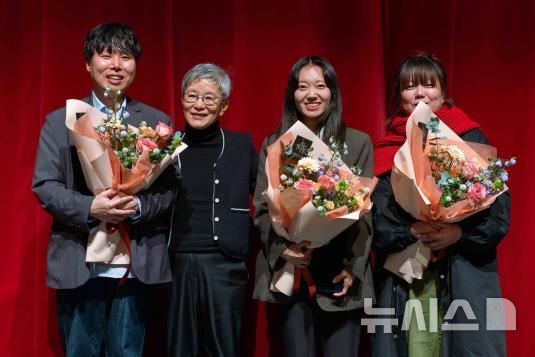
{"points": [[192, 226]]}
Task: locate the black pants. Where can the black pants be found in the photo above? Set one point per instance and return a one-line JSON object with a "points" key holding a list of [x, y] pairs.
{"points": [[207, 299], [306, 328], [101, 318]]}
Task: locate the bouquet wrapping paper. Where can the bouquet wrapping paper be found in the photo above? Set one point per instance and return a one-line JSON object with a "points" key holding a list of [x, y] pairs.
{"points": [[102, 170], [293, 216], [416, 191]]}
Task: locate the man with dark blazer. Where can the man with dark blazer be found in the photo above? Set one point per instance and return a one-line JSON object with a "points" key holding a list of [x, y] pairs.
{"points": [[97, 315]]}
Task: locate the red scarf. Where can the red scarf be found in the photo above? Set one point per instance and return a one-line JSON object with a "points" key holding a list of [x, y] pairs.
{"points": [[385, 149]]}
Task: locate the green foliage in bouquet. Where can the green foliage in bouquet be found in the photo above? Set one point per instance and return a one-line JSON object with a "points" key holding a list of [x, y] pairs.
{"points": [[129, 143], [459, 178], [322, 177]]}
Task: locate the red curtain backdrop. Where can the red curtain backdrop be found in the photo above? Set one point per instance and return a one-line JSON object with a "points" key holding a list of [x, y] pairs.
{"points": [[488, 48]]}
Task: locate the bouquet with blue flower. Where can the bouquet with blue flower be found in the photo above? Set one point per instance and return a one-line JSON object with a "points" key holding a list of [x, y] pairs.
{"points": [[460, 178], [114, 154], [129, 142], [439, 177], [331, 186], [312, 194]]}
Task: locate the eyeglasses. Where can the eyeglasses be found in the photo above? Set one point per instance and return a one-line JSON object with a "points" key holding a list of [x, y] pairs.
{"points": [[206, 99]]}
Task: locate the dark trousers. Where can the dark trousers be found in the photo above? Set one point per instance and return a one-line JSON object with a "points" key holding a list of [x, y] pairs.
{"points": [[307, 329], [207, 299], [101, 318]]}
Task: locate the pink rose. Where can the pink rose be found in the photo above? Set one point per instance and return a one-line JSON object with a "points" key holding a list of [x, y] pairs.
{"points": [[326, 183], [145, 144], [164, 131], [469, 170], [304, 185], [477, 192]]}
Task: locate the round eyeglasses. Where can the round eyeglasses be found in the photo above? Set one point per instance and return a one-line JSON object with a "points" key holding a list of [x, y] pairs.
{"points": [[207, 99]]}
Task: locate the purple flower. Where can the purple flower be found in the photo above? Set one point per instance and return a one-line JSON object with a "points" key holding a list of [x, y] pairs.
{"points": [[504, 176]]}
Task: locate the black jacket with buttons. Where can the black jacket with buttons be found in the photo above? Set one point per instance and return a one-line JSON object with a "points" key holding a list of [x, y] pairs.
{"points": [[233, 181]]}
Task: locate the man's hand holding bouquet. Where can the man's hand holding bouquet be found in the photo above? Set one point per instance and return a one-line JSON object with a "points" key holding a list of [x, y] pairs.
{"points": [[118, 160]]}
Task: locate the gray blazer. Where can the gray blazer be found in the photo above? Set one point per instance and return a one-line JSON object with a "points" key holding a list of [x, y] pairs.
{"points": [[60, 187], [360, 234]]}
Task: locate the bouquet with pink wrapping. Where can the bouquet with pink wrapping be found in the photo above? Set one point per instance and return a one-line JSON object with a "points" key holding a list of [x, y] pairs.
{"points": [[116, 155], [312, 195], [439, 177]]}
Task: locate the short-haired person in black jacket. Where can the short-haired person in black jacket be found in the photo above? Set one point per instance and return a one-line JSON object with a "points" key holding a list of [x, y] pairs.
{"points": [[95, 314], [210, 235], [467, 272]]}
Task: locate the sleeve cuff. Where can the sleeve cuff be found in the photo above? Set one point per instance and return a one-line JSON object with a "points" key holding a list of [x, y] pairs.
{"points": [[137, 213]]}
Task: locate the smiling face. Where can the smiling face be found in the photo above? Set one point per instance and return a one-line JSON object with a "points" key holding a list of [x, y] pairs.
{"points": [[312, 96], [199, 115], [429, 93], [114, 70]]}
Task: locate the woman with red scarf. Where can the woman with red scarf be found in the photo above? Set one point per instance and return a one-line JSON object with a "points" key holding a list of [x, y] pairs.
{"points": [[467, 272]]}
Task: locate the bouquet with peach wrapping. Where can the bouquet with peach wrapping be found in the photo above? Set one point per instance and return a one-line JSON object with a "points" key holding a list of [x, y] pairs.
{"points": [[116, 155], [439, 177], [312, 195]]}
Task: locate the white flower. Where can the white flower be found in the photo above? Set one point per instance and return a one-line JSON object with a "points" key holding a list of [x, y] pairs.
{"points": [[308, 164], [284, 177], [454, 151]]}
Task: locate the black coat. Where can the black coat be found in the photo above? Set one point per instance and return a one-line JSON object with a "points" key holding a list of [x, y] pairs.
{"points": [[60, 187], [468, 272]]}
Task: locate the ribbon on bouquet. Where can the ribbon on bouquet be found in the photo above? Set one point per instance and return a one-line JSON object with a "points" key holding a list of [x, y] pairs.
{"points": [[304, 273], [138, 173], [124, 230]]}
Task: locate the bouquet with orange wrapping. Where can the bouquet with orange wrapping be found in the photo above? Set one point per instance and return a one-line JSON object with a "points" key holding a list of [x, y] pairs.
{"points": [[312, 195], [440, 178], [116, 155]]}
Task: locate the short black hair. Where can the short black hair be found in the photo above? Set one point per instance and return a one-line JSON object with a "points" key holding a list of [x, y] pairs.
{"points": [[113, 36], [419, 69]]}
